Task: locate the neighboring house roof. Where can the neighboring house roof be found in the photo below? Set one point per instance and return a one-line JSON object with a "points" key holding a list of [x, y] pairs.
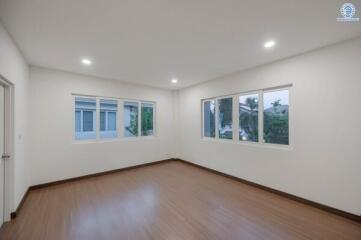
{"points": [[244, 107]]}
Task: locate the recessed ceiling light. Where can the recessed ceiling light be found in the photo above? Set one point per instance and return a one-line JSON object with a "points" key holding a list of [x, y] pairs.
{"points": [[86, 62], [174, 80], [269, 44]]}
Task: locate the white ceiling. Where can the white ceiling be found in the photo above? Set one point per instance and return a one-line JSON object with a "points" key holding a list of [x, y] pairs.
{"points": [[151, 41]]}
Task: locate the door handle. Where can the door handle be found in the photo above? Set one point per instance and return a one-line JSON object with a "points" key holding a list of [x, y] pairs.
{"points": [[5, 156]]}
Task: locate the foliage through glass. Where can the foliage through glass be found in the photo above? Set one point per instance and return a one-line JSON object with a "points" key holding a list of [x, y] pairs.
{"points": [[248, 118], [276, 117], [147, 119]]}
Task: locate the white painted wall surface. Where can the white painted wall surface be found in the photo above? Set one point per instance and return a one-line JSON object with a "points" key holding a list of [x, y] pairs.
{"points": [[55, 155], [324, 164], [14, 68]]}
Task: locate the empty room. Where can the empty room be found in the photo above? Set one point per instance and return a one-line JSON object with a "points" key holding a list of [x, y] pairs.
{"points": [[180, 119]]}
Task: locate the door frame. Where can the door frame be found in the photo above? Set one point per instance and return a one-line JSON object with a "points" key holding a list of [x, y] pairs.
{"points": [[8, 146]]}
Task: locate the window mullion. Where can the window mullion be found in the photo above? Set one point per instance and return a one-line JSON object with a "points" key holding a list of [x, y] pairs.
{"points": [[154, 124], [106, 121], [81, 120], [290, 115], [260, 117], [202, 117], [139, 118], [235, 118], [216, 118], [96, 126], [120, 118]]}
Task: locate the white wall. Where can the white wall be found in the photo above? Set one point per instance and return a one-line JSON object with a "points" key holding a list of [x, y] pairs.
{"points": [[324, 164], [14, 68], [54, 155]]}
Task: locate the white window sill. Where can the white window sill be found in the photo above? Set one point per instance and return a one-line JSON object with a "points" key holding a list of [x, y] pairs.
{"points": [[249, 144], [108, 140], [85, 136]]}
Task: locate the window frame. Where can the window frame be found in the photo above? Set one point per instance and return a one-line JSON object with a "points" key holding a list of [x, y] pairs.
{"points": [[104, 135], [260, 122], [140, 119], [119, 120], [84, 135], [235, 119], [217, 117], [203, 117], [290, 120], [139, 102]]}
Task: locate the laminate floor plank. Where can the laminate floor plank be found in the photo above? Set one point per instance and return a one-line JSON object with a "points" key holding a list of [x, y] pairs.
{"points": [[171, 200]]}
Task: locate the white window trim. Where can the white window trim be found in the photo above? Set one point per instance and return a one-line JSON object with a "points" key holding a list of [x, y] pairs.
{"points": [[235, 119]]}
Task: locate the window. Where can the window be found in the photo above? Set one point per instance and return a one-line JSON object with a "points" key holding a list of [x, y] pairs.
{"points": [[262, 116], [131, 119], [108, 118], [248, 118], [276, 117], [225, 118], [138, 118], [209, 119], [147, 119], [85, 118]]}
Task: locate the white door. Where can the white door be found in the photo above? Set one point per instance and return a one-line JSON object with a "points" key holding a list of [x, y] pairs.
{"points": [[2, 144]]}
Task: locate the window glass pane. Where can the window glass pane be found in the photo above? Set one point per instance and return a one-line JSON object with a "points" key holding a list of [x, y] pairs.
{"points": [[248, 118], [102, 121], [108, 111], [130, 119], [147, 119], [88, 105], [88, 121], [85, 108], [77, 121], [225, 118], [112, 119], [276, 117], [209, 119]]}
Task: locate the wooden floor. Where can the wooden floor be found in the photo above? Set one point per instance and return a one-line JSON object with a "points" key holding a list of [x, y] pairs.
{"points": [[170, 201]]}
